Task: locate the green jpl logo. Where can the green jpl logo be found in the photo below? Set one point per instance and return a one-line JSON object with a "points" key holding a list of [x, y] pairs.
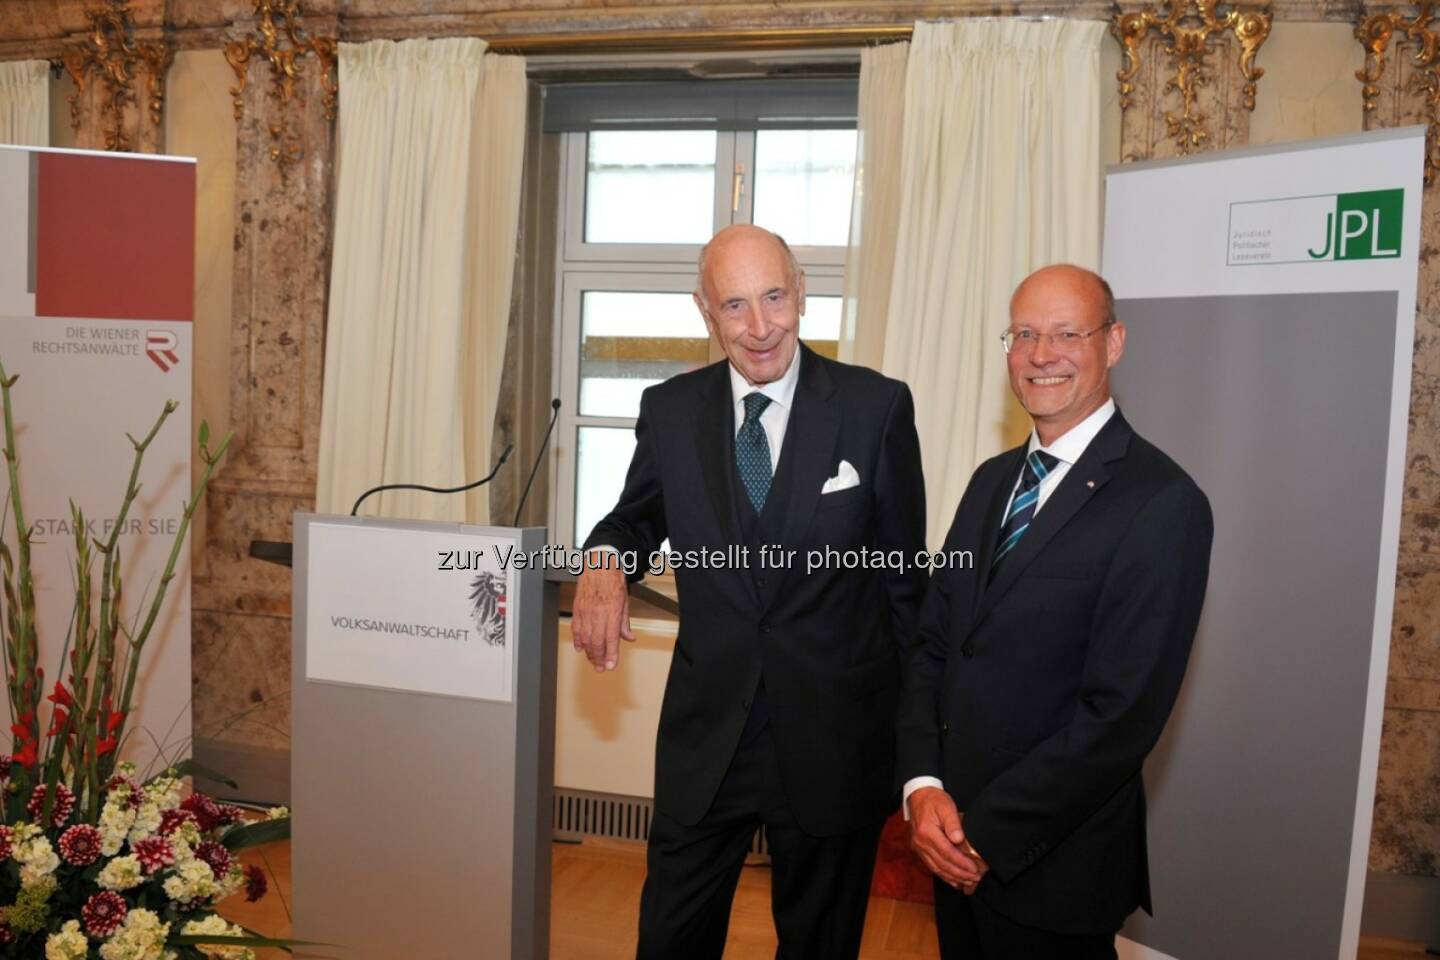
{"points": [[1364, 226]]}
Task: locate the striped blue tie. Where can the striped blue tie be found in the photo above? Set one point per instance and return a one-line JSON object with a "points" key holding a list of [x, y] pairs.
{"points": [[752, 452], [1022, 509]]}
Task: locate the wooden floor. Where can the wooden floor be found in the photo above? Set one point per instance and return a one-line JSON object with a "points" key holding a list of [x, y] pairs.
{"points": [[595, 895]]}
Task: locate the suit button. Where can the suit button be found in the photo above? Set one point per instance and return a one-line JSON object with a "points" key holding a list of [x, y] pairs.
{"points": [[764, 626], [761, 581], [944, 729], [967, 651], [745, 705]]}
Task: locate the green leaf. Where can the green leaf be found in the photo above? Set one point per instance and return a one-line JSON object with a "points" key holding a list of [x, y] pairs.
{"points": [[254, 834], [189, 768], [204, 432], [284, 943]]}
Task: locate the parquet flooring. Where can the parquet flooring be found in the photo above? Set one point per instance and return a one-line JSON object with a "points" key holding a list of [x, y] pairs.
{"points": [[595, 896]]}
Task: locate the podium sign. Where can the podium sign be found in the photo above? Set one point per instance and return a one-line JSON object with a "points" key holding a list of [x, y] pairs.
{"points": [[422, 760], [416, 610]]}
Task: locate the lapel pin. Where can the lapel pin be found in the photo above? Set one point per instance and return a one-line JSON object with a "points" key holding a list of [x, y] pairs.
{"points": [[1090, 484]]}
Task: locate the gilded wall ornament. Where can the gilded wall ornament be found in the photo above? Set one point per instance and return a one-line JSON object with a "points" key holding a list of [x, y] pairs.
{"points": [[1189, 29], [280, 39], [1376, 32], [111, 51]]}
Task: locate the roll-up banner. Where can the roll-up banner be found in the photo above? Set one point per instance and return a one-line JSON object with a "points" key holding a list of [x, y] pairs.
{"points": [[97, 254], [1269, 296]]}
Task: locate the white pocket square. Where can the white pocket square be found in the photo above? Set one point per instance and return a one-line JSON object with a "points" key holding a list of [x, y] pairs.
{"points": [[845, 478]]}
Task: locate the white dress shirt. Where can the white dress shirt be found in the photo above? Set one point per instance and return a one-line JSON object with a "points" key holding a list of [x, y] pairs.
{"points": [[1066, 449]]}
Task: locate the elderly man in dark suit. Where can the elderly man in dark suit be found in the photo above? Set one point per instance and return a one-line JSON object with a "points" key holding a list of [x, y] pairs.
{"points": [[780, 704], [1043, 676]]}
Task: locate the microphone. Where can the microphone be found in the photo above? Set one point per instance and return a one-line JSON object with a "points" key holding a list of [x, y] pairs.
{"points": [[554, 415], [418, 486]]}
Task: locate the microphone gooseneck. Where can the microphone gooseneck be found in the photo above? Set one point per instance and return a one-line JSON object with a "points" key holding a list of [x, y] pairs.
{"points": [[554, 415]]}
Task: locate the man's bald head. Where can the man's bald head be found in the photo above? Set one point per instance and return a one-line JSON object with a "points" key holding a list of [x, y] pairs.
{"points": [[742, 238], [1082, 284]]}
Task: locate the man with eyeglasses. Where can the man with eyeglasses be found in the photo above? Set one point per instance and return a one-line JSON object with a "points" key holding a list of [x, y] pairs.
{"points": [[1042, 677]]}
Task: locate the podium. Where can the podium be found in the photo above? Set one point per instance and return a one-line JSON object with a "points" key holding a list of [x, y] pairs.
{"points": [[422, 760]]}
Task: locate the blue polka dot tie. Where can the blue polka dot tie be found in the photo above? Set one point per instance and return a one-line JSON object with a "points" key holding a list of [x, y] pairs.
{"points": [[1022, 509], [752, 452]]}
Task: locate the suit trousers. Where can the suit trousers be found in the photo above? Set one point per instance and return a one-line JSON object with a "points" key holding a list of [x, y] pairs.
{"points": [[969, 930], [820, 886]]}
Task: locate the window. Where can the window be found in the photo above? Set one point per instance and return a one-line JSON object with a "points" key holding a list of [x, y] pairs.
{"points": [[636, 206]]}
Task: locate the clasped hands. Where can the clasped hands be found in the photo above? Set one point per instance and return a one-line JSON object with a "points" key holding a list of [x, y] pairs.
{"points": [[937, 834]]}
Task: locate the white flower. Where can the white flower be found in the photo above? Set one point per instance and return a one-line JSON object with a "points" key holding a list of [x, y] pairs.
{"points": [[122, 873], [164, 792], [215, 926], [146, 823], [67, 944], [277, 813], [191, 880], [140, 937], [33, 852], [116, 819], [185, 838], [233, 881]]}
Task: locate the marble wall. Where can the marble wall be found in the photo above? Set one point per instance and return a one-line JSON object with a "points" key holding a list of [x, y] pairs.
{"points": [[1406, 837], [262, 272]]}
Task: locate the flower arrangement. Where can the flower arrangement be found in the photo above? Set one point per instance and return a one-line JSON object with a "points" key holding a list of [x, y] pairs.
{"points": [[95, 861]]}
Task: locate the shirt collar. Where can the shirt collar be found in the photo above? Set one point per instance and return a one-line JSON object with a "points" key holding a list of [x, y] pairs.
{"points": [[1072, 442], [781, 392]]}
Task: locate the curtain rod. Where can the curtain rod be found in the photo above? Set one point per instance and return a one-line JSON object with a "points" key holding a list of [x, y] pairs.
{"points": [[640, 41]]}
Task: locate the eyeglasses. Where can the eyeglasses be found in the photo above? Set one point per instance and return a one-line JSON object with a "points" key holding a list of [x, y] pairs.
{"points": [[1064, 341]]}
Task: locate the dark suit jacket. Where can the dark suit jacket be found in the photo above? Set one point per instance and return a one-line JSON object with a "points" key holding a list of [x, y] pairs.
{"points": [[1036, 698], [828, 644]]}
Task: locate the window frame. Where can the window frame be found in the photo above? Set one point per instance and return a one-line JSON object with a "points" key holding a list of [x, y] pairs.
{"points": [[626, 267]]}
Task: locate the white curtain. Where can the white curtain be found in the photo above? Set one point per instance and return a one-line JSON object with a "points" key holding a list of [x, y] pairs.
{"points": [[25, 103], [429, 152], [875, 209], [999, 173]]}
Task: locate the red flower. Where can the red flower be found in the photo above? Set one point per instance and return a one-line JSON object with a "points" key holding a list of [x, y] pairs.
{"points": [[207, 812], [153, 853], [26, 755], [80, 845], [217, 856], [256, 883], [115, 720], [105, 746], [171, 820], [137, 794], [57, 722], [61, 697], [7, 936], [103, 913], [60, 812], [7, 837]]}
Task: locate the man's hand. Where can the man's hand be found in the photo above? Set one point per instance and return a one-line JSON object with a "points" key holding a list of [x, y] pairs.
{"points": [[936, 835], [601, 616]]}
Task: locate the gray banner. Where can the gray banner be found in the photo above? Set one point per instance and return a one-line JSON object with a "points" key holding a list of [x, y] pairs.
{"points": [[1278, 406]]}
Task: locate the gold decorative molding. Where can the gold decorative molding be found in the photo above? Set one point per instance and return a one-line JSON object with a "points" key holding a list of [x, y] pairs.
{"points": [[281, 39], [111, 50], [1375, 33], [1189, 42]]}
